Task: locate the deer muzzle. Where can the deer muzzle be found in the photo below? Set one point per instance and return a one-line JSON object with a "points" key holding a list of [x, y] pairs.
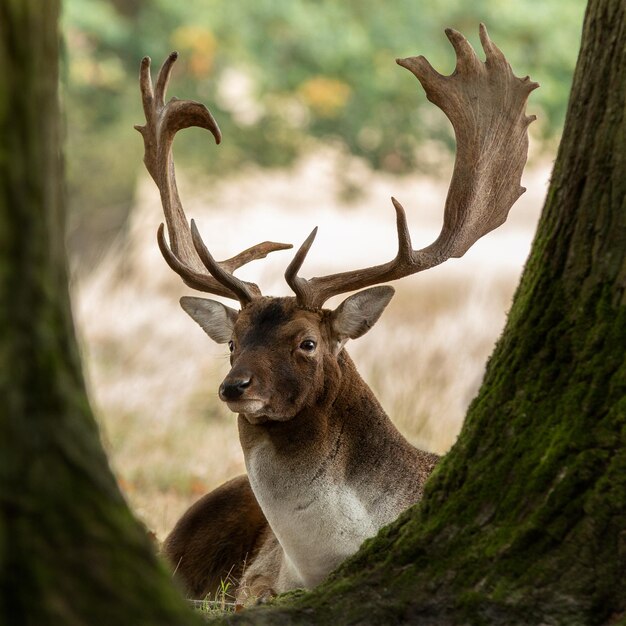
{"points": [[235, 386]]}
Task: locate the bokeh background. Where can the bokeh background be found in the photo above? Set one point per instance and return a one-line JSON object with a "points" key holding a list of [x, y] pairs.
{"points": [[320, 128]]}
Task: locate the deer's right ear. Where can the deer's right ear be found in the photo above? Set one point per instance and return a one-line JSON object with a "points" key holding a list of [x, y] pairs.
{"points": [[215, 319]]}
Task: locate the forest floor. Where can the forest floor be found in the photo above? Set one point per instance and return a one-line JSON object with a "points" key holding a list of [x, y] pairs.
{"points": [[153, 374]]}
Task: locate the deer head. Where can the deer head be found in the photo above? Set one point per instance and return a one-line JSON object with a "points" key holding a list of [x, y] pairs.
{"points": [[285, 351], [283, 356]]}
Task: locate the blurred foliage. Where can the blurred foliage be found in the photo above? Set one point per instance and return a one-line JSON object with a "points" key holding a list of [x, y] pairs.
{"points": [[276, 73]]}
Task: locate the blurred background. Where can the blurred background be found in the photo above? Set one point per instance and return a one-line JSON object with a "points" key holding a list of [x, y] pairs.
{"points": [[320, 127]]}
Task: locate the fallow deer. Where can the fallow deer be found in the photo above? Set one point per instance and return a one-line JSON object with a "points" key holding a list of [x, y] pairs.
{"points": [[326, 468]]}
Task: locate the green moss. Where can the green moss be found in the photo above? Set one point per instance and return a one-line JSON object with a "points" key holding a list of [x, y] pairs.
{"points": [[70, 550]]}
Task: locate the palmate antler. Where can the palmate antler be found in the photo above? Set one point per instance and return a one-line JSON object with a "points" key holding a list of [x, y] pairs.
{"points": [[484, 101], [188, 255], [486, 104]]}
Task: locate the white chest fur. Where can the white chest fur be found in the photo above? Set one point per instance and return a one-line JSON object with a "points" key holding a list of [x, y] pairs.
{"points": [[318, 518]]}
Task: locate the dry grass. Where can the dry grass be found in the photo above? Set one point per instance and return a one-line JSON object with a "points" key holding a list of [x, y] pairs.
{"points": [[153, 374]]}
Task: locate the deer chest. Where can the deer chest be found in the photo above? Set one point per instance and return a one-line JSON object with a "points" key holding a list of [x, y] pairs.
{"points": [[318, 518]]}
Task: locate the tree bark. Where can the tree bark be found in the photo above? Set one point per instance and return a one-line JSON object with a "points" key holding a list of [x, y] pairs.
{"points": [[70, 550], [524, 521]]}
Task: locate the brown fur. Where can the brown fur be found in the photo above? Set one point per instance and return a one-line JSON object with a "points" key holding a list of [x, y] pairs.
{"points": [[215, 538], [320, 417], [347, 427]]}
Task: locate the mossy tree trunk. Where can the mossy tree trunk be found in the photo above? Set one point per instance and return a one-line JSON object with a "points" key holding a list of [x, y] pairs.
{"points": [[524, 522], [70, 550]]}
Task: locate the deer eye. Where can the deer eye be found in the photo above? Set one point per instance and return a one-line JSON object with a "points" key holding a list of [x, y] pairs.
{"points": [[231, 345], [308, 345]]}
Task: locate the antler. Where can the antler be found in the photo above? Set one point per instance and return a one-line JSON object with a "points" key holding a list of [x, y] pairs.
{"points": [[188, 256], [486, 104]]}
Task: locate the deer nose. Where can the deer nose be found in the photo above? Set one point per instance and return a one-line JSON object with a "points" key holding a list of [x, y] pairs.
{"points": [[234, 388]]}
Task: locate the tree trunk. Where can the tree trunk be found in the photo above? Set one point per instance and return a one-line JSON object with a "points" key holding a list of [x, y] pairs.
{"points": [[524, 522], [70, 551]]}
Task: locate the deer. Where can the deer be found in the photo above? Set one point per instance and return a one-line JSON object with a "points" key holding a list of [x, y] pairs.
{"points": [[326, 467]]}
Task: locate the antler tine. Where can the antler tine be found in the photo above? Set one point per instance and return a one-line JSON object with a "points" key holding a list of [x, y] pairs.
{"points": [[163, 121], [163, 80], [300, 286], [486, 105], [245, 293]]}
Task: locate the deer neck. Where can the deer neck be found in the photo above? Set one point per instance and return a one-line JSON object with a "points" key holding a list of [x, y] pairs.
{"points": [[319, 476], [332, 435]]}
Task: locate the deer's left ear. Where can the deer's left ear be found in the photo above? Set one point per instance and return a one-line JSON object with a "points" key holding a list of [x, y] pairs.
{"points": [[358, 313]]}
